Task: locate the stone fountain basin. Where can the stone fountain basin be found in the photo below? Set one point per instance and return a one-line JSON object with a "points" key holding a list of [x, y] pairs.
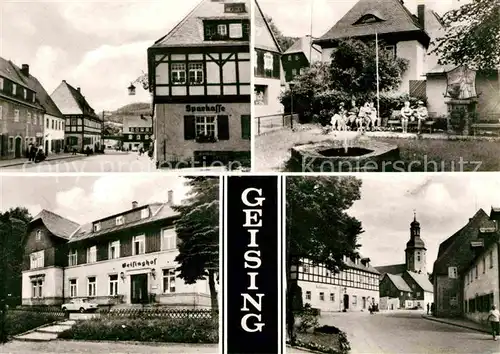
{"points": [[363, 155]]}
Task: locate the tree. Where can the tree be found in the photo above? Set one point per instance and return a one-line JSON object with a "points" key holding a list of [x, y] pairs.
{"points": [[318, 226], [198, 232], [283, 41], [353, 68], [472, 36]]}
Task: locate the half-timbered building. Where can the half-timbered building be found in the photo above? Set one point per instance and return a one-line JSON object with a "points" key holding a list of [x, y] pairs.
{"points": [[199, 74], [83, 127], [122, 259]]}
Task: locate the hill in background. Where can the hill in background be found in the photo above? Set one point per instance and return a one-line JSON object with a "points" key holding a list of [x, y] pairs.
{"points": [[133, 109]]}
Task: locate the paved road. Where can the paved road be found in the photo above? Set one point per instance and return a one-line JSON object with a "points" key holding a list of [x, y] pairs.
{"points": [[73, 347], [111, 161], [407, 332]]}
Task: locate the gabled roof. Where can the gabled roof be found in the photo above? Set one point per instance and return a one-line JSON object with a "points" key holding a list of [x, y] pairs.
{"points": [[74, 95], [422, 280], [159, 211], [455, 251], [394, 16], [264, 36], [56, 224], [190, 32], [303, 45], [398, 282], [392, 269], [350, 264], [7, 70]]}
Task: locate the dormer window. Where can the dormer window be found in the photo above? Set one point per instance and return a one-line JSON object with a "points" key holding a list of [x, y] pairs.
{"points": [[38, 235], [369, 18], [144, 213], [97, 227], [1, 83], [25, 94], [222, 30], [14, 89], [120, 220], [235, 8], [235, 30], [268, 61], [34, 97]]}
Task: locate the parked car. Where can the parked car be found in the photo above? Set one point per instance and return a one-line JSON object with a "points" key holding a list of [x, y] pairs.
{"points": [[80, 305]]}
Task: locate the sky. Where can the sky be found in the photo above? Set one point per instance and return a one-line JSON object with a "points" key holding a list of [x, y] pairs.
{"points": [[326, 13], [99, 46], [443, 204], [86, 198]]}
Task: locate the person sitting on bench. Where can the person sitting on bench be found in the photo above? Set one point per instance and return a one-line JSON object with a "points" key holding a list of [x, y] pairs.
{"points": [[422, 115], [406, 113], [375, 120]]}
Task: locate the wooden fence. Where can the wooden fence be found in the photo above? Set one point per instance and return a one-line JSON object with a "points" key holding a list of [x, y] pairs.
{"points": [[274, 122]]}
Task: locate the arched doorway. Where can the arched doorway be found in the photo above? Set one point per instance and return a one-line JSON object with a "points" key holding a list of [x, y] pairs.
{"points": [[17, 147], [346, 302]]}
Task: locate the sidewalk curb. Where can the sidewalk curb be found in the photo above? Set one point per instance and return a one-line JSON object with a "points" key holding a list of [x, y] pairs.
{"points": [[46, 160], [455, 324], [133, 342], [303, 349]]}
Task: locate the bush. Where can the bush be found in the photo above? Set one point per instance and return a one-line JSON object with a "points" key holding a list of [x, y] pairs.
{"points": [[188, 330], [308, 318], [17, 322], [393, 101]]}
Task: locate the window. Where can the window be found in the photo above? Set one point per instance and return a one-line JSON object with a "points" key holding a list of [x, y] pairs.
{"points": [[452, 273], [34, 119], [37, 288], [235, 30], [205, 126], [168, 239], [38, 235], [130, 137], [322, 296], [294, 72], [145, 213], [72, 258], [255, 59], [234, 8], [138, 245], [92, 254], [28, 118], [308, 295], [178, 73], [34, 97], [1, 111], [195, 73], [332, 297], [37, 260], [25, 94], [268, 61], [245, 127], [97, 227], [490, 257], [354, 300], [114, 250], [53, 122], [391, 51], [16, 115], [91, 286], [418, 293], [72, 288], [222, 30], [306, 269], [1, 83], [169, 280], [113, 285], [14, 89], [120, 220], [260, 94], [476, 270], [483, 264]]}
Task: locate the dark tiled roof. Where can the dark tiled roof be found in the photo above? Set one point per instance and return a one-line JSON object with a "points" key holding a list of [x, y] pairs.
{"points": [[422, 280], [303, 45], [398, 282], [56, 224], [81, 101], [158, 212], [7, 70], [190, 32], [395, 16], [457, 252], [392, 269], [350, 264]]}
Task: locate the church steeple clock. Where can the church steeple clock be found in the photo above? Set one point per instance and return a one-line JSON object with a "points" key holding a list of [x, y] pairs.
{"points": [[415, 249]]}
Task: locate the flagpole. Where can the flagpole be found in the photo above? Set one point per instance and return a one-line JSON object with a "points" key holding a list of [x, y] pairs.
{"points": [[311, 33], [378, 78]]}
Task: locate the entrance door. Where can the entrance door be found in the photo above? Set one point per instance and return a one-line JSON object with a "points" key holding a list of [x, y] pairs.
{"points": [[46, 146], [364, 302], [139, 288], [346, 302], [18, 152]]}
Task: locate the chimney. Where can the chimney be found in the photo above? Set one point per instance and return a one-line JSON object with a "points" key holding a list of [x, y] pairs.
{"points": [[78, 89], [134, 204], [170, 200], [25, 69], [64, 81], [421, 15]]}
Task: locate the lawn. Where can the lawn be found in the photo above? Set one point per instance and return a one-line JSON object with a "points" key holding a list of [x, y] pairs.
{"points": [[17, 322], [272, 152]]}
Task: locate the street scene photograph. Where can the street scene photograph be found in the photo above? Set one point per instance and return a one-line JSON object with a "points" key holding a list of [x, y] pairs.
{"points": [[419, 275], [377, 86], [115, 264], [125, 87]]}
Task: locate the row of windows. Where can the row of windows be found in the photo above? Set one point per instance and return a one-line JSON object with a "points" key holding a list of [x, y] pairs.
{"points": [[34, 118], [321, 296], [168, 242], [224, 31], [54, 124], [16, 92], [87, 122], [120, 220], [138, 137], [479, 304], [216, 127], [140, 129], [481, 267]]}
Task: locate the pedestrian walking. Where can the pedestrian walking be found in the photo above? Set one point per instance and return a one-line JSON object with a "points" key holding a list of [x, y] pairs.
{"points": [[428, 308], [494, 318]]}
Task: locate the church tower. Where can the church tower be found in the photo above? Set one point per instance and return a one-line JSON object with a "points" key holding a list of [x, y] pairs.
{"points": [[415, 249]]}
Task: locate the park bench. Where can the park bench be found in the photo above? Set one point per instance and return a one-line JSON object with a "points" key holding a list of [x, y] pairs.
{"points": [[395, 122], [485, 127]]}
